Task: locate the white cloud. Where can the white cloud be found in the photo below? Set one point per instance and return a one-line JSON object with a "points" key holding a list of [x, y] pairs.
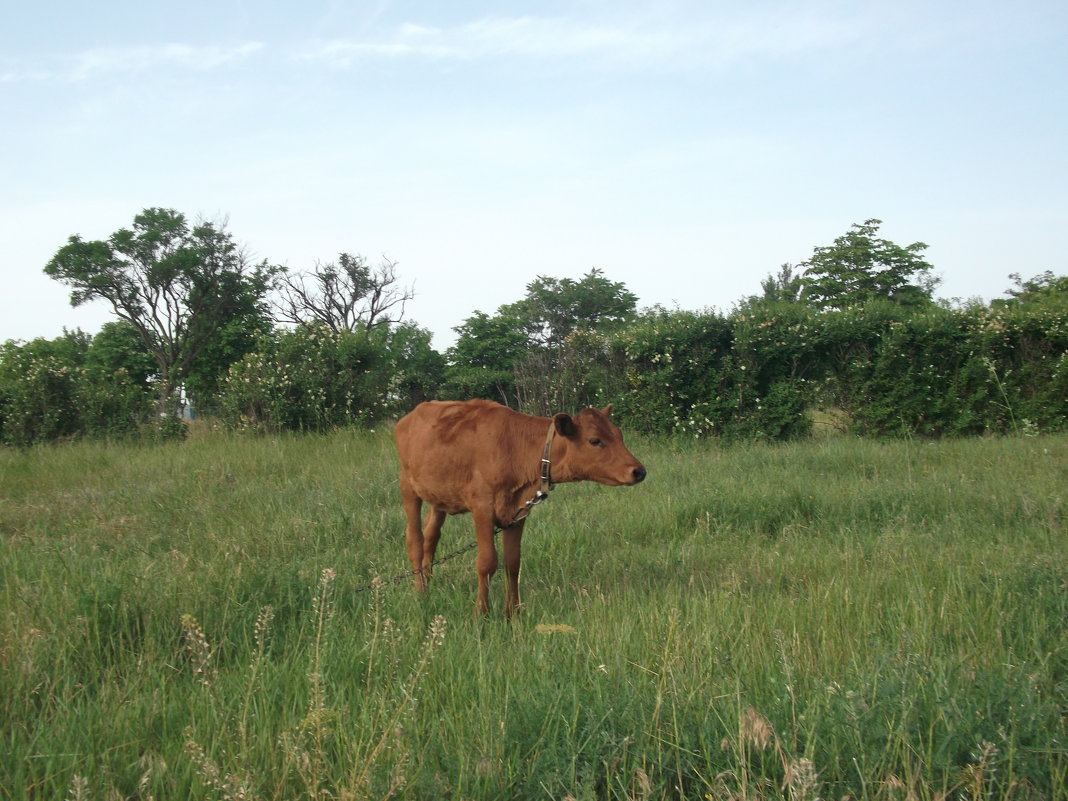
{"points": [[104, 60], [628, 43], [635, 44]]}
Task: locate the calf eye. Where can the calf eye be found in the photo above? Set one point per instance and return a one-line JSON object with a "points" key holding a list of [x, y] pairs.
{"points": [[596, 443]]}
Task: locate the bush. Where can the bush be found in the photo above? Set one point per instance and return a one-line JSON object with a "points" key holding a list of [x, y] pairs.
{"points": [[700, 375], [966, 371], [676, 369], [54, 389], [776, 355], [308, 379], [315, 379], [756, 373], [38, 392], [1025, 351], [923, 380]]}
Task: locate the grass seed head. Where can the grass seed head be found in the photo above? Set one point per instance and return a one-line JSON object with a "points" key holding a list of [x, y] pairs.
{"points": [[756, 730], [79, 788], [801, 781]]}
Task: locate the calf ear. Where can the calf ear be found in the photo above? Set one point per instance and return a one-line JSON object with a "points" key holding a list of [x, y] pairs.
{"points": [[607, 410], [565, 426]]}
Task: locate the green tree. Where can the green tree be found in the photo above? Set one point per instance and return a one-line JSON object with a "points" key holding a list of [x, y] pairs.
{"points": [[118, 346], [481, 361], [860, 267], [545, 352], [785, 286], [417, 368], [554, 308], [176, 284], [249, 322], [1045, 289]]}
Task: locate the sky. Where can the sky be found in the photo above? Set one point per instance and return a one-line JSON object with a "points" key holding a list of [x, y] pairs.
{"points": [[686, 148]]}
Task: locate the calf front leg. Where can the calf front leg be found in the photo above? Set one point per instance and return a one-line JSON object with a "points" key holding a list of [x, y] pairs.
{"points": [[511, 539], [486, 561]]}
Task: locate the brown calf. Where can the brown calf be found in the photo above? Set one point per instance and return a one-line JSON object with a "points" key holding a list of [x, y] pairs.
{"points": [[480, 457]]}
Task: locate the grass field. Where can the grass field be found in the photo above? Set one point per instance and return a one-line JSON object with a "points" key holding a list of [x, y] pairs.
{"points": [[831, 619]]}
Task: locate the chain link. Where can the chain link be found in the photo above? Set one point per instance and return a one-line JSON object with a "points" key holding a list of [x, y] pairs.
{"points": [[519, 516], [410, 573]]}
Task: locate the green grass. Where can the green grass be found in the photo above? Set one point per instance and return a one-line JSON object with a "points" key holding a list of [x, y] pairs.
{"points": [[831, 619]]}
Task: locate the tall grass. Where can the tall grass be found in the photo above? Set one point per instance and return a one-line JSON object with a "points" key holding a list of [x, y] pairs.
{"points": [[830, 619]]}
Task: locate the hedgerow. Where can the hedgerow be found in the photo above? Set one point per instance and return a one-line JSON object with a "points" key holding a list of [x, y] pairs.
{"points": [[759, 371], [756, 373]]}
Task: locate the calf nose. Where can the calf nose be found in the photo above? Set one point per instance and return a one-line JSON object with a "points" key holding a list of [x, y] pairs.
{"points": [[639, 474]]}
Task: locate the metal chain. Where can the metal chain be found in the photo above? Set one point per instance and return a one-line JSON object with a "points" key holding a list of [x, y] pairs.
{"points": [[409, 573], [519, 516]]}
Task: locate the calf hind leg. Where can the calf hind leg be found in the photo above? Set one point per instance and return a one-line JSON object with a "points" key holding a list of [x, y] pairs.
{"points": [[431, 534], [413, 531]]}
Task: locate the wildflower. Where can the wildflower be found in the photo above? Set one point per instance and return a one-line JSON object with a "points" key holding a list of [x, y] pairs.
{"points": [[199, 650], [436, 634], [263, 623], [229, 786]]}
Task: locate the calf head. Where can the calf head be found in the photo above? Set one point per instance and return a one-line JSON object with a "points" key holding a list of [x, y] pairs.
{"points": [[594, 450]]}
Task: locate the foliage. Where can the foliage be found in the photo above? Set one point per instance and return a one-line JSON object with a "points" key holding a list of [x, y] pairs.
{"points": [[554, 308], [743, 376], [856, 336], [544, 351], [176, 284], [71, 386], [313, 378], [758, 372], [859, 268], [785, 286], [1045, 289], [848, 339], [921, 380], [776, 363], [1025, 351], [676, 370], [38, 388], [949, 372], [117, 346], [481, 362], [248, 323], [418, 370], [309, 379], [577, 375]]}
